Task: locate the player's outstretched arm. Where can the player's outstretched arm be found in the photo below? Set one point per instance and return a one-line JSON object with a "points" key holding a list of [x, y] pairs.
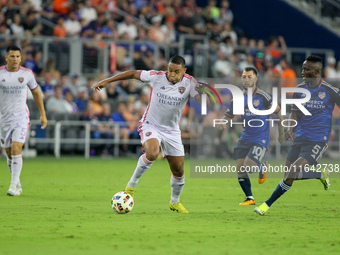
{"points": [[39, 101], [133, 74]]}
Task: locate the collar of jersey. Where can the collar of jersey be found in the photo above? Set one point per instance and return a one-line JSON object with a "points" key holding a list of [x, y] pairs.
{"points": [[321, 81], [11, 71], [244, 91]]}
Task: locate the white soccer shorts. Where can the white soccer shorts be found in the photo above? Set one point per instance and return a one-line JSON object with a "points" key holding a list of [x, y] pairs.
{"points": [[16, 132], [169, 141]]}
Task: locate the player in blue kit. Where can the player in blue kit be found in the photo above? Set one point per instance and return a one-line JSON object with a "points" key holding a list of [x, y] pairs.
{"points": [[255, 138], [312, 131]]}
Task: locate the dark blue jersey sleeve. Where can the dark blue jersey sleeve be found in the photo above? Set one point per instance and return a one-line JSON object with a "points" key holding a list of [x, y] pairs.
{"points": [[229, 112]]}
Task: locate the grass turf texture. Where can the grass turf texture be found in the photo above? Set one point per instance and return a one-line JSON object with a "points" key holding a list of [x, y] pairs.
{"points": [[65, 209]]}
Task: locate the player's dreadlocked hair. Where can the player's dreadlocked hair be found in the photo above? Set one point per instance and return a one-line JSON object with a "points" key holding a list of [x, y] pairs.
{"points": [[178, 60]]}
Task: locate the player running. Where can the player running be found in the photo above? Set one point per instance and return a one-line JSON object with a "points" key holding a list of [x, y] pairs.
{"points": [[159, 126], [312, 132], [14, 113], [255, 138]]}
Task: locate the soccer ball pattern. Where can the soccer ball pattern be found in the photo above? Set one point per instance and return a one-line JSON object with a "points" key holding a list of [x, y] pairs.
{"points": [[122, 202]]}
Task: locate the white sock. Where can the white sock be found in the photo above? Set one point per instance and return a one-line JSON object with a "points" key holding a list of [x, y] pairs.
{"points": [[16, 168], [177, 185], [9, 164], [142, 165]]}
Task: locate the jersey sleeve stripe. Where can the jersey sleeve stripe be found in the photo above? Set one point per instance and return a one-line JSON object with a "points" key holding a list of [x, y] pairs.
{"points": [[336, 90], [263, 93]]}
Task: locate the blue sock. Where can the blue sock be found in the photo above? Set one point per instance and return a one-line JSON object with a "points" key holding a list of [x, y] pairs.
{"points": [[246, 186], [278, 192]]}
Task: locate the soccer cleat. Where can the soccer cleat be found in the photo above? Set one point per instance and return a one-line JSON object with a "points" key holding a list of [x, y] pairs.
{"points": [[178, 207], [14, 190], [248, 201], [129, 190], [262, 209], [19, 189], [263, 174], [325, 179]]}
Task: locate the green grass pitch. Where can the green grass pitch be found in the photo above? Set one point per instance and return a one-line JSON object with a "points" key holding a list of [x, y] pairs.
{"points": [[65, 209]]}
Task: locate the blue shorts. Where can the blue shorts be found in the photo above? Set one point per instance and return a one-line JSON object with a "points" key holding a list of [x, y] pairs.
{"points": [[311, 151], [254, 151]]}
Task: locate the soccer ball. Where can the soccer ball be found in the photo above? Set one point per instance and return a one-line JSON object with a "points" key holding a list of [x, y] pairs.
{"points": [[122, 202]]}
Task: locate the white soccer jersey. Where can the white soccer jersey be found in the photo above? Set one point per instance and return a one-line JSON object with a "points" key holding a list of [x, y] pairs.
{"points": [[13, 94], [167, 101]]}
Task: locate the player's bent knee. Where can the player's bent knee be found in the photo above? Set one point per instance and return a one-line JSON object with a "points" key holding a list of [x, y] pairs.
{"points": [[152, 155]]}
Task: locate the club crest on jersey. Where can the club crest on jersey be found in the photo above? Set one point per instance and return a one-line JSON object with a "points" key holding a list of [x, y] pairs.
{"points": [[256, 102], [21, 79], [148, 133], [181, 90], [322, 95]]}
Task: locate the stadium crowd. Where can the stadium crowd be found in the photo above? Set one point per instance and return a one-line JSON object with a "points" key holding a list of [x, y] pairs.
{"points": [[159, 21]]}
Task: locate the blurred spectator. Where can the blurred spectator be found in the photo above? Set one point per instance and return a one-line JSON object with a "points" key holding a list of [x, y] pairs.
{"points": [[82, 99], [72, 25], [60, 30], [56, 103], [273, 48], [73, 84], [215, 35], [287, 75], [62, 6], [128, 27], [248, 62], [121, 116], [31, 25], [16, 27], [227, 47], [33, 61], [169, 31], [87, 12], [185, 22], [10, 10], [71, 106], [226, 15], [222, 67], [48, 87], [109, 30], [227, 31], [50, 68], [252, 48], [106, 128], [96, 103], [156, 32], [115, 92], [36, 4], [212, 11], [329, 70], [145, 14], [199, 22]]}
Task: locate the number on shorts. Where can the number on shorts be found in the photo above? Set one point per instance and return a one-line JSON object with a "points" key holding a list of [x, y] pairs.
{"points": [[258, 152], [315, 150]]}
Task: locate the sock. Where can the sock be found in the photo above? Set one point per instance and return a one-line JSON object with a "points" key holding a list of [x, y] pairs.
{"points": [[245, 184], [16, 168], [9, 164], [142, 165], [177, 185], [305, 175], [278, 192]]}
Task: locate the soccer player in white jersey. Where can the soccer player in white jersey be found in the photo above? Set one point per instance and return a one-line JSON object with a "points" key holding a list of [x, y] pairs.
{"points": [[14, 114], [159, 128]]}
